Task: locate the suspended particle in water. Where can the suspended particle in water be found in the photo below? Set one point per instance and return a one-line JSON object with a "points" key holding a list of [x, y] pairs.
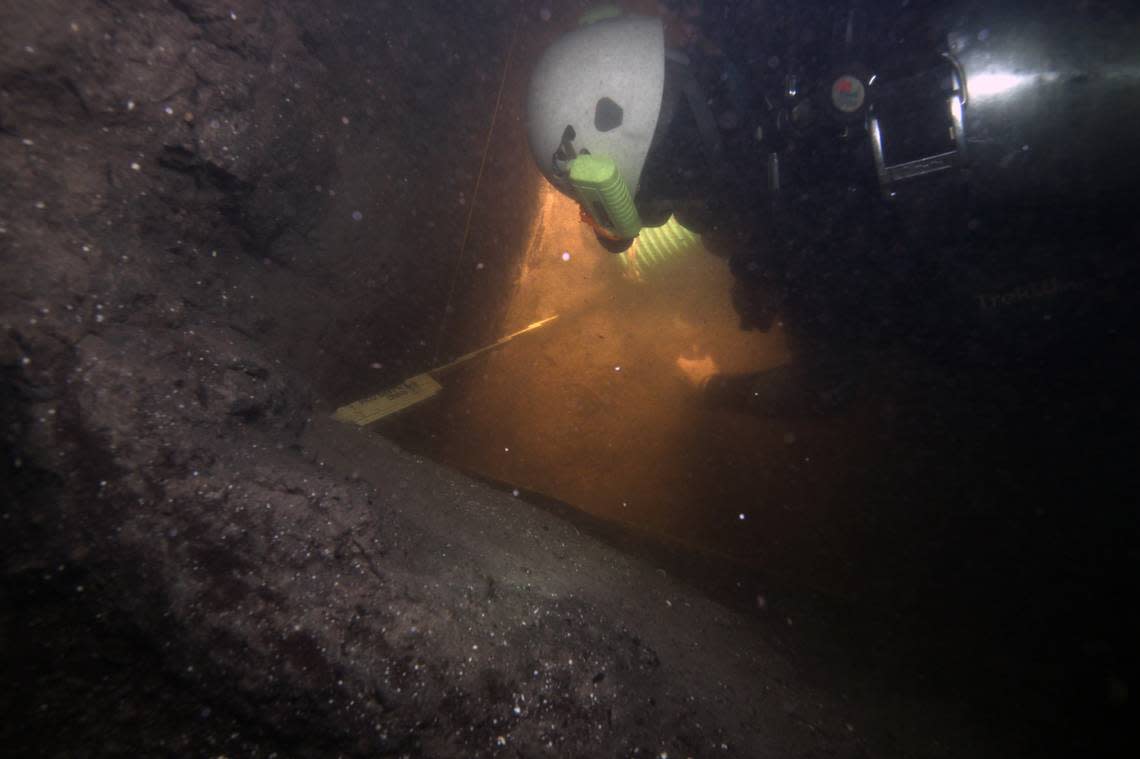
{"points": [[565, 255], [741, 517], [357, 216]]}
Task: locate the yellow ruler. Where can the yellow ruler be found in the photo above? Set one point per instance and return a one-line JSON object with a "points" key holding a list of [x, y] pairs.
{"points": [[418, 388]]}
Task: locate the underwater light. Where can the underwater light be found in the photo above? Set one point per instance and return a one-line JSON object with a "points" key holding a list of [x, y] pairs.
{"points": [[992, 84]]}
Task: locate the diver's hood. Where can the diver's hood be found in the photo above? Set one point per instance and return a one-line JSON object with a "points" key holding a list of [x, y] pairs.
{"points": [[605, 81]]}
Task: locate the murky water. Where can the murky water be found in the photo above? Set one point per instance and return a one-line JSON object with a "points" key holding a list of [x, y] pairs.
{"points": [[876, 527]]}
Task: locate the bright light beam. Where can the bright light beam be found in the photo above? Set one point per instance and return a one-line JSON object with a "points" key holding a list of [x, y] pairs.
{"points": [[997, 83]]}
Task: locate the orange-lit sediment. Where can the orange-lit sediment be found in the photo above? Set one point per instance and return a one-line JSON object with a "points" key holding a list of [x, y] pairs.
{"points": [[601, 409]]}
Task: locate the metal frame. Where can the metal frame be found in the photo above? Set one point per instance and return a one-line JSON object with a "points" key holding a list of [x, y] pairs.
{"points": [[932, 164]]}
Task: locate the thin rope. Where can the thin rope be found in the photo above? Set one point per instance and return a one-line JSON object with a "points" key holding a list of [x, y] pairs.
{"points": [[475, 192]]}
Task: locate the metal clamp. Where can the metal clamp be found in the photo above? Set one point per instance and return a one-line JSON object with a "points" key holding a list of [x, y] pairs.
{"points": [[931, 164]]}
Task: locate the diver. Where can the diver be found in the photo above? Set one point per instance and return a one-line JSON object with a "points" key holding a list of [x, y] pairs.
{"points": [[956, 177]]}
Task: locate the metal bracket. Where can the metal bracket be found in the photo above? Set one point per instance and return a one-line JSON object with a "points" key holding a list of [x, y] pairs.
{"points": [[932, 164]]}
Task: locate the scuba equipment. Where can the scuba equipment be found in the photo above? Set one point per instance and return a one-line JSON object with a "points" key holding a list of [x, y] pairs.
{"points": [[1053, 103], [871, 128], [657, 248], [1021, 102], [604, 194], [601, 102], [924, 164], [596, 94]]}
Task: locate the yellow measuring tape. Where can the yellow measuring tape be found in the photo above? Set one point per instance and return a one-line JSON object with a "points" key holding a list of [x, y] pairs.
{"points": [[418, 388]]}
